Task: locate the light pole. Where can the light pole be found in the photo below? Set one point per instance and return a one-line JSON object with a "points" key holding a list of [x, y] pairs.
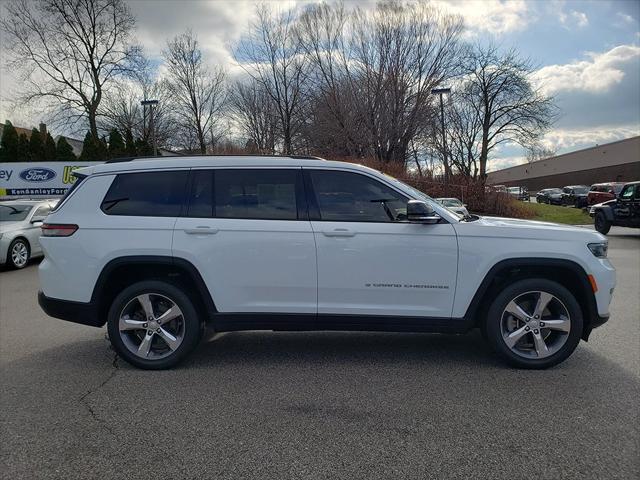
{"points": [[151, 104], [445, 160]]}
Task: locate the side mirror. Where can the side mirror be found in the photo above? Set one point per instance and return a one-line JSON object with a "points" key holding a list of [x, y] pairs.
{"points": [[420, 212], [36, 220]]}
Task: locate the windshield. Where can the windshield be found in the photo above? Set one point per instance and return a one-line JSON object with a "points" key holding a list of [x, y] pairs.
{"points": [[514, 189], [618, 188], [580, 190], [416, 193], [13, 213]]}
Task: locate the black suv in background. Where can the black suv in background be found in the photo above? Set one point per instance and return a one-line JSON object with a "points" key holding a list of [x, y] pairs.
{"points": [[624, 211], [575, 195]]}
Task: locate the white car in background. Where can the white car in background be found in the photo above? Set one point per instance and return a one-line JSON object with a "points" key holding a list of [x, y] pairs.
{"points": [[455, 205], [20, 222]]}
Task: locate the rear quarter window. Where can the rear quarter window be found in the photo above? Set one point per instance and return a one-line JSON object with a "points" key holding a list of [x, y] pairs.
{"points": [[146, 194]]}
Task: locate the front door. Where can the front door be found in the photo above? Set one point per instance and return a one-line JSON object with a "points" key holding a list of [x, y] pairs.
{"points": [[371, 261], [247, 233]]}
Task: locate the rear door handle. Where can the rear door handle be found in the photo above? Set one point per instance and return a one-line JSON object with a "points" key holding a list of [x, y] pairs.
{"points": [[201, 230], [339, 232]]}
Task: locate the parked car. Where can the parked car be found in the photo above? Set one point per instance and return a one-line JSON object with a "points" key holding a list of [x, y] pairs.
{"points": [[455, 205], [20, 222], [603, 192], [575, 195], [155, 249], [519, 193], [624, 211], [552, 196]]}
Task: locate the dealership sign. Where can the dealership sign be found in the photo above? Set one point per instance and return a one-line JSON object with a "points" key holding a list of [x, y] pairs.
{"points": [[37, 179]]}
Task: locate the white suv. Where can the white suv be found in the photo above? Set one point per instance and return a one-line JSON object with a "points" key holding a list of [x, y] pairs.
{"points": [[158, 248]]}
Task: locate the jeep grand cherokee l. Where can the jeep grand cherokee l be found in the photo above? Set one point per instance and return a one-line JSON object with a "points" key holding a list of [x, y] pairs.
{"points": [[155, 249]]}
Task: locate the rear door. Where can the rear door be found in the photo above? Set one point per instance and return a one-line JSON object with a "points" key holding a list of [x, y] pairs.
{"points": [[247, 232], [371, 261]]}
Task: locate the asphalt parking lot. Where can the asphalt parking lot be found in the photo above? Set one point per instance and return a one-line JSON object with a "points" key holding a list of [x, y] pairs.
{"points": [[317, 405]]}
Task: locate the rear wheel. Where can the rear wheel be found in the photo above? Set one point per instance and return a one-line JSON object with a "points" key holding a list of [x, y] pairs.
{"points": [[534, 323], [601, 223], [153, 325], [19, 254]]}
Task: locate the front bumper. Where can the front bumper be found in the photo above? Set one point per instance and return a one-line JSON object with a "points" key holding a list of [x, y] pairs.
{"points": [[76, 312], [596, 321]]}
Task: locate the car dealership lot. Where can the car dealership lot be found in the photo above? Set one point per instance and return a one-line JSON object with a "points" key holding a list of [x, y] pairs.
{"points": [[317, 405]]}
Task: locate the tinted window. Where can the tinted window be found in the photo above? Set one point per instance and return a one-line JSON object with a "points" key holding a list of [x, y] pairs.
{"points": [[627, 192], [146, 194], [201, 198], [351, 197], [256, 194]]}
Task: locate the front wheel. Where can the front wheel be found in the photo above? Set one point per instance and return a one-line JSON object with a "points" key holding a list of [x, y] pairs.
{"points": [[601, 223], [534, 323], [153, 325], [18, 254]]}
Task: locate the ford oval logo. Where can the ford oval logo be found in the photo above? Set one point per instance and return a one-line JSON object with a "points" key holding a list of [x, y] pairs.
{"points": [[37, 174]]}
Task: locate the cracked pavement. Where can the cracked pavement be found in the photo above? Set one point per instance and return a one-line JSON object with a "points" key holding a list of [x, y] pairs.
{"points": [[317, 405]]}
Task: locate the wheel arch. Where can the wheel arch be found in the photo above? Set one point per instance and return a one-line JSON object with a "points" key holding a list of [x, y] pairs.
{"points": [[121, 272], [567, 273]]}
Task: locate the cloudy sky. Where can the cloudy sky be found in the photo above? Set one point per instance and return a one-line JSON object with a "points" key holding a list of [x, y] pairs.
{"points": [[587, 52]]}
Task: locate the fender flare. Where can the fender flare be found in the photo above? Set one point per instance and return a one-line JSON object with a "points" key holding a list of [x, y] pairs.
{"points": [[167, 261], [590, 309]]}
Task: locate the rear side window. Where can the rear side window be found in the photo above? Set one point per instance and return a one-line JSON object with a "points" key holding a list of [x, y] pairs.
{"points": [[146, 194], [260, 194]]}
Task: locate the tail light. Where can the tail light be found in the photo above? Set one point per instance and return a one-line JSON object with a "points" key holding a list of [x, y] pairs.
{"points": [[58, 229]]}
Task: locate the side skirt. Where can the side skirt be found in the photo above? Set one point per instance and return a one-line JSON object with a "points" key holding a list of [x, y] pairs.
{"points": [[229, 322]]}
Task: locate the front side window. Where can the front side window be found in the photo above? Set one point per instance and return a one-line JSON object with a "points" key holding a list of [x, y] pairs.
{"points": [[42, 211], [352, 197], [146, 194], [627, 193]]}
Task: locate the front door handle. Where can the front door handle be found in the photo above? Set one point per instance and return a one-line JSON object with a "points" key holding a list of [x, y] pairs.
{"points": [[201, 230], [339, 232]]}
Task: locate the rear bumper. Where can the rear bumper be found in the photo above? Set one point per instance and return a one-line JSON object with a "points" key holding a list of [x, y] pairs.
{"points": [[76, 312]]}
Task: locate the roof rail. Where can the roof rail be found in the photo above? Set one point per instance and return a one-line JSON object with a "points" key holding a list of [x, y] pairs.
{"points": [[297, 157]]}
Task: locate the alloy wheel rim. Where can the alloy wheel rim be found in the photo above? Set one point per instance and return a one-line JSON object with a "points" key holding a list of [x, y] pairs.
{"points": [[19, 254], [535, 325], [151, 326]]}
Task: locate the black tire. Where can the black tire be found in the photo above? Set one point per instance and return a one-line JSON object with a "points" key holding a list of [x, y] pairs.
{"points": [[493, 323], [192, 324], [601, 223], [10, 262]]}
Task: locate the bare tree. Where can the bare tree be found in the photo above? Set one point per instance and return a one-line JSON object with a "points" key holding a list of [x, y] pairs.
{"points": [[121, 108], [199, 93], [256, 115], [537, 151], [272, 56], [69, 52], [496, 93], [388, 59]]}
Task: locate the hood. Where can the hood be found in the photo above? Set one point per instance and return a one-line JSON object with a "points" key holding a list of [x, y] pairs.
{"points": [[10, 226], [529, 229]]}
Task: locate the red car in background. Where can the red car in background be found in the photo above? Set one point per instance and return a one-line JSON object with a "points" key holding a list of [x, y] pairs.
{"points": [[602, 192]]}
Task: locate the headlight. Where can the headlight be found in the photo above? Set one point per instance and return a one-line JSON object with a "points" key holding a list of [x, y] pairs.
{"points": [[599, 249]]}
